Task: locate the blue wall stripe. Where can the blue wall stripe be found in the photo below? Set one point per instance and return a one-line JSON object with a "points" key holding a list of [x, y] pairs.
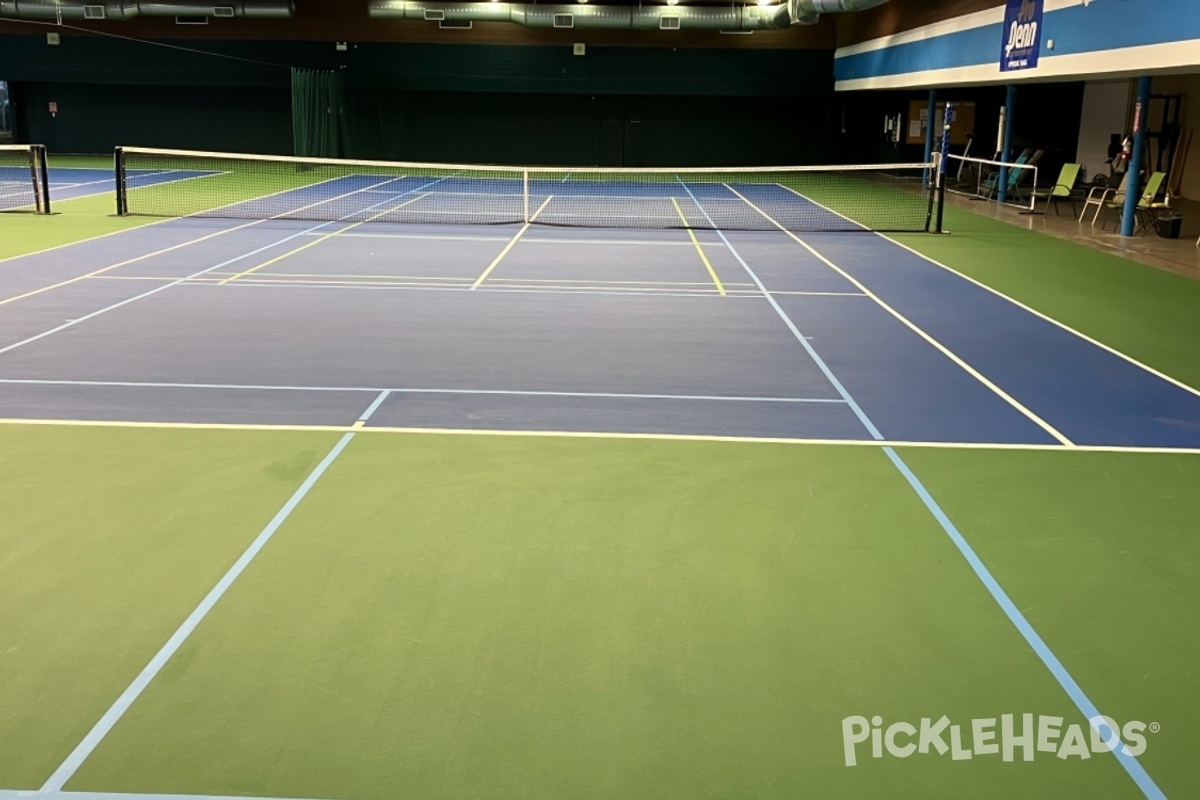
{"points": [[1076, 30]]}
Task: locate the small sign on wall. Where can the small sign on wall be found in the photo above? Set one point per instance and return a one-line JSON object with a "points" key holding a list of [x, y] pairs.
{"points": [[1022, 35], [961, 127]]}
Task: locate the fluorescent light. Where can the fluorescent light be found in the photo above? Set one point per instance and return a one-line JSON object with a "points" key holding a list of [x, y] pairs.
{"points": [[672, 2], [764, 2]]}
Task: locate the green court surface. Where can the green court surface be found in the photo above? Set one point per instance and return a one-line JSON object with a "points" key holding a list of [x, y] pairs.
{"points": [[109, 539], [472, 616], [1146, 313], [72, 221]]}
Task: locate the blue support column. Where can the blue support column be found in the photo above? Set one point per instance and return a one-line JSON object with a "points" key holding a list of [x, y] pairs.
{"points": [[1133, 183], [930, 133], [1010, 104]]}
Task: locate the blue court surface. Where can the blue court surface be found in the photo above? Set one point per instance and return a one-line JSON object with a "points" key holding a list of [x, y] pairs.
{"points": [[744, 334], [68, 183], [626, 517]]}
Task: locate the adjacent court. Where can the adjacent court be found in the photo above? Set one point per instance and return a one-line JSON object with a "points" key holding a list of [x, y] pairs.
{"points": [[318, 491]]}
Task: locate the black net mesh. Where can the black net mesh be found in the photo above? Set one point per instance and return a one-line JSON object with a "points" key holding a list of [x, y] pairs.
{"points": [[22, 179], [846, 198]]}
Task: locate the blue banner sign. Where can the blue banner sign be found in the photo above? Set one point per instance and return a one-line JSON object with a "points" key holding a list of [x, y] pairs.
{"points": [[1022, 35]]}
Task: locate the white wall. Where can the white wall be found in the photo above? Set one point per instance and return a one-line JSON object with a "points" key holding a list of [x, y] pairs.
{"points": [[1105, 111]]}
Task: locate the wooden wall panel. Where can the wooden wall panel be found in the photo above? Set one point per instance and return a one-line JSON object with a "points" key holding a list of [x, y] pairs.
{"points": [[902, 15]]}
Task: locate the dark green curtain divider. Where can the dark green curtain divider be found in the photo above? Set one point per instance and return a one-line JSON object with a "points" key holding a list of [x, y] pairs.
{"points": [[318, 113]]}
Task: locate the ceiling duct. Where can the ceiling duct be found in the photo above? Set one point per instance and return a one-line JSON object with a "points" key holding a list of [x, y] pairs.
{"points": [[534, 15], [129, 9]]}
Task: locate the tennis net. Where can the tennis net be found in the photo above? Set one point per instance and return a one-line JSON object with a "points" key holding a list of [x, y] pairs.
{"points": [[24, 185], [174, 183]]}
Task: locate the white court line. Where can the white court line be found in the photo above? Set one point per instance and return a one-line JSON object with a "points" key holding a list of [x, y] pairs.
{"points": [[508, 247], [1082, 702], [110, 179], [941, 348], [413, 390], [144, 225], [636, 242], [110, 718], [54, 185], [527, 240], [669, 437], [432, 236], [185, 279], [577, 287], [1108, 348], [250, 283]]}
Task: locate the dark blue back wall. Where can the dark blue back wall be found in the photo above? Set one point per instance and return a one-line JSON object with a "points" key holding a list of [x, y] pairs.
{"points": [[489, 103]]}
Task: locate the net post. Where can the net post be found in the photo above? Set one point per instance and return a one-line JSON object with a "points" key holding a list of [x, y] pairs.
{"points": [[931, 174], [941, 203], [119, 174], [942, 165], [31, 159], [43, 177], [525, 194]]}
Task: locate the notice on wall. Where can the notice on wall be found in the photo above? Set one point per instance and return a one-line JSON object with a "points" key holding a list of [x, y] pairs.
{"points": [[1022, 40], [960, 128]]}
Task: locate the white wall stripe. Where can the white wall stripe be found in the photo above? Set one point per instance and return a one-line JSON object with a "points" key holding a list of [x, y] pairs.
{"points": [[976, 19], [1182, 57]]}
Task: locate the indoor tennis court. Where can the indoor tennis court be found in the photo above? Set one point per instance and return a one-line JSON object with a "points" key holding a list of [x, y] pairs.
{"points": [[361, 479]]}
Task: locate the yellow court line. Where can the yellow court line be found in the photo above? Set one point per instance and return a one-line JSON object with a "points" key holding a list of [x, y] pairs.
{"points": [[324, 238], [632, 283], [160, 278], [684, 437], [285, 279], [384, 280], [147, 224], [125, 263], [496, 261], [699, 249], [706, 289], [941, 348], [269, 280], [342, 275]]}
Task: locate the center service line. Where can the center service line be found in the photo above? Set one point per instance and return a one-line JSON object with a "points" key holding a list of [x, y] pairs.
{"points": [[93, 738], [510, 245], [324, 237], [712, 273]]}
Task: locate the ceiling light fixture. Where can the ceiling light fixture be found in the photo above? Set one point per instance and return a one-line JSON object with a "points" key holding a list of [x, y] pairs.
{"points": [[672, 2], [764, 2]]}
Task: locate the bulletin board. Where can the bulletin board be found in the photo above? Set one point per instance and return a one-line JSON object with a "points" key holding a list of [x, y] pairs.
{"points": [[918, 113]]}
